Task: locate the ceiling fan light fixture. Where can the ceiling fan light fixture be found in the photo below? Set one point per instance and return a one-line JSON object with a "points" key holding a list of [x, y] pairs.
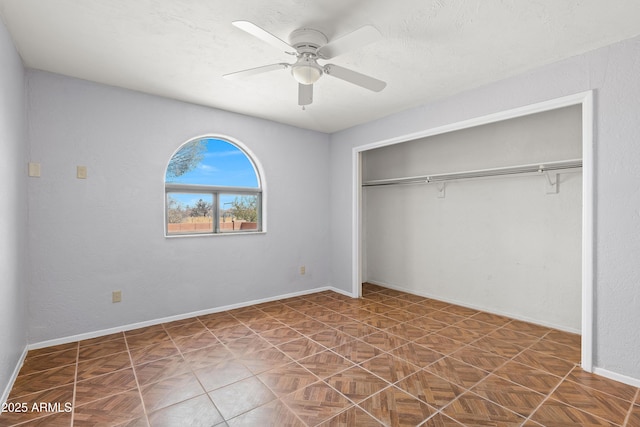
{"points": [[306, 71]]}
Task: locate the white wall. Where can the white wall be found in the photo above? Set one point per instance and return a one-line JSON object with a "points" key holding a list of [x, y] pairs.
{"points": [[13, 208], [90, 237], [613, 72], [502, 244]]}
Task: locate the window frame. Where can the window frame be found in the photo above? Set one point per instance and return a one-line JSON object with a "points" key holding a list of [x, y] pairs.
{"points": [[216, 191]]}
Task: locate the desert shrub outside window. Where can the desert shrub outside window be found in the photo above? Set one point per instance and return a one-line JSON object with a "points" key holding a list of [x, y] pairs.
{"points": [[212, 186]]}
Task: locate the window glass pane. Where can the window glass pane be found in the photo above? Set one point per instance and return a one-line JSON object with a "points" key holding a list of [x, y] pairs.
{"points": [[211, 161], [189, 213], [238, 212]]}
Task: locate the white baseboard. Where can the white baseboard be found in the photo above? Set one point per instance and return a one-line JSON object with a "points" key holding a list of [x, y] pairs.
{"points": [[475, 307], [95, 334], [617, 377], [12, 380]]}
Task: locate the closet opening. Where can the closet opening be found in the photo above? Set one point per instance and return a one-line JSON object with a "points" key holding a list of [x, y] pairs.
{"points": [[493, 213]]}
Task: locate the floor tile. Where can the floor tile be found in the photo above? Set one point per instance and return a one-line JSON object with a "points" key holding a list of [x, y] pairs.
{"points": [[384, 341], [394, 407], [316, 403], [592, 401], [417, 354], [528, 376], [439, 420], [263, 360], [440, 343], [460, 334], [331, 338], [52, 349], [353, 416], [170, 391], [325, 364], [565, 338], [159, 370], [55, 420], [48, 361], [519, 399], [112, 410], [561, 351], [241, 397], [196, 412], [514, 337], [101, 350], [280, 335], [161, 350], [104, 386], [497, 346], [222, 374], [356, 383], [471, 409], [147, 338], [287, 379], [430, 388], [264, 324], [457, 372], [605, 385], [553, 365], [207, 356], [357, 329], [389, 367], [186, 330], [273, 414], [247, 345], [301, 348], [218, 321], [553, 413], [479, 358], [407, 331], [195, 342], [528, 328], [103, 365], [43, 380], [233, 332], [401, 357]]}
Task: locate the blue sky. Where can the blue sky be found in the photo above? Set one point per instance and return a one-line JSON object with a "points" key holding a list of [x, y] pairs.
{"points": [[223, 165]]}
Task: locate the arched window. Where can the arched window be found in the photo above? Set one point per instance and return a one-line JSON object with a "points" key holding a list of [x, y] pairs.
{"points": [[212, 186]]}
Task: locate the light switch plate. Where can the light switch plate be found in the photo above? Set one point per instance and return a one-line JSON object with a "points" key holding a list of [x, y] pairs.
{"points": [[81, 172]]}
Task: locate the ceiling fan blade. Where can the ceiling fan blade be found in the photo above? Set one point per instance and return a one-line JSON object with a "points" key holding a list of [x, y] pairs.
{"points": [[305, 94], [360, 37], [263, 35], [253, 71], [354, 77]]}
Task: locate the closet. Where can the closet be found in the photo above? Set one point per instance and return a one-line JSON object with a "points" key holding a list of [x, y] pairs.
{"points": [[487, 217]]}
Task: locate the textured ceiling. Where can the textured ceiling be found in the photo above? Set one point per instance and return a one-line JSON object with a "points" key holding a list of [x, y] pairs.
{"points": [[430, 48]]}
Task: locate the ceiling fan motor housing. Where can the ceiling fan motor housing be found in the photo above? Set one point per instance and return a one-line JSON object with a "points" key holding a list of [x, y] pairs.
{"points": [[307, 41]]}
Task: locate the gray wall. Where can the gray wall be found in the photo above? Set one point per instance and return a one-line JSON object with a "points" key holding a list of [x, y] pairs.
{"points": [[90, 237], [498, 244], [13, 208], [613, 72]]}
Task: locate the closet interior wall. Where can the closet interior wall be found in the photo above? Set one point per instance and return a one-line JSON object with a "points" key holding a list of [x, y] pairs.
{"points": [[501, 244]]}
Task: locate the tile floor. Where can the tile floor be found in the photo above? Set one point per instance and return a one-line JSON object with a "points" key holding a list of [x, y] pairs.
{"points": [[324, 359]]}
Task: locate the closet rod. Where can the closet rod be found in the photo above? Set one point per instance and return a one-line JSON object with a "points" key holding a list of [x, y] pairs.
{"points": [[479, 173]]}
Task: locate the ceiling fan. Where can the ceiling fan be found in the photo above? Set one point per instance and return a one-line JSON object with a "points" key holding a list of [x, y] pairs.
{"points": [[308, 46]]}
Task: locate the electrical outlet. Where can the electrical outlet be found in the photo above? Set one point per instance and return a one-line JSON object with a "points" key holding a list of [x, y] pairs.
{"points": [[81, 172], [116, 296], [303, 270], [34, 169]]}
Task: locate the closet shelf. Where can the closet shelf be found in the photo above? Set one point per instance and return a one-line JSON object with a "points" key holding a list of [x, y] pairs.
{"points": [[480, 173]]}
